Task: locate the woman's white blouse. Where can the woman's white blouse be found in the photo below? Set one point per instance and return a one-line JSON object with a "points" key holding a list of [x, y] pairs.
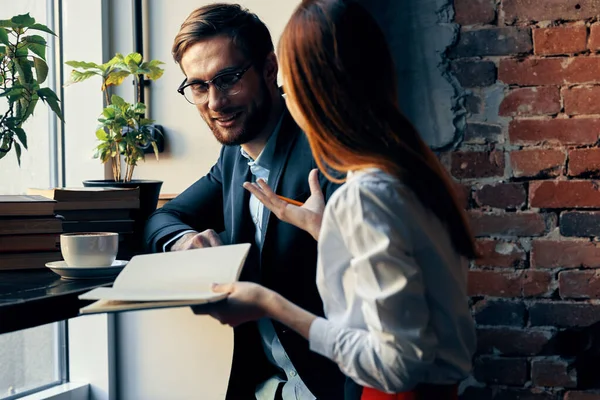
{"points": [[393, 288]]}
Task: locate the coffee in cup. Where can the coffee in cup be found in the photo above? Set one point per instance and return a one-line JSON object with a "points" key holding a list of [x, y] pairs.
{"points": [[89, 249]]}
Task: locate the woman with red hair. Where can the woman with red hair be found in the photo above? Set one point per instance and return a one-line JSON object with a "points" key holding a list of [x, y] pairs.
{"points": [[392, 240]]}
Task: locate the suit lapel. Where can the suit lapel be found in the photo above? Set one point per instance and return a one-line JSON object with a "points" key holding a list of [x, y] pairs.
{"points": [[286, 138]]}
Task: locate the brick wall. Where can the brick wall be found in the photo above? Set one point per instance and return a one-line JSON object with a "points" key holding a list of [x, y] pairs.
{"points": [[528, 168]]}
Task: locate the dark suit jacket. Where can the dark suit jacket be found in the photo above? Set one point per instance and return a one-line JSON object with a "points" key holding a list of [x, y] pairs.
{"points": [[286, 262]]}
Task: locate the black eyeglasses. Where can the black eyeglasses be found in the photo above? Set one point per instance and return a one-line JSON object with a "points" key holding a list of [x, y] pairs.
{"points": [[228, 83]]}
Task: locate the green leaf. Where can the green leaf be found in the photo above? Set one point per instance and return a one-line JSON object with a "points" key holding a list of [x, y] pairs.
{"points": [[41, 69], [47, 93], [109, 112], [23, 20], [101, 134], [36, 44], [155, 73], [83, 65], [155, 147], [41, 27], [2, 52], [23, 67], [7, 23], [133, 60], [77, 76], [139, 108], [22, 51], [116, 78], [53, 103], [118, 101], [21, 135], [18, 151], [4, 36], [154, 63]]}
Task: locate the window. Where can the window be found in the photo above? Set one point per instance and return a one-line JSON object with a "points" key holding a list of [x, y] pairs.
{"points": [[34, 358]]}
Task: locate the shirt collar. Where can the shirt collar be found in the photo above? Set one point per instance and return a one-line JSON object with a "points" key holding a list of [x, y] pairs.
{"points": [[265, 157]]}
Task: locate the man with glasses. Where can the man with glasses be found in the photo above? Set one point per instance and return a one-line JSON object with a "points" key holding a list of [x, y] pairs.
{"points": [[226, 55]]}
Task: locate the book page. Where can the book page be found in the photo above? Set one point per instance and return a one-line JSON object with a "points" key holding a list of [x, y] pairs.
{"points": [[190, 271]]}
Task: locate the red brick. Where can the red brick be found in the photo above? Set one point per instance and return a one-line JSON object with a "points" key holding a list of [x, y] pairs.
{"points": [[536, 283], [578, 395], [549, 10], [499, 312], [579, 284], [584, 162], [537, 162], [503, 371], [477, 164], [512, 342], [560, 40], [563, 314], [564, 194], [508, 284], [553, 373], [509, 224], [470, 12], [496, 253], [494, 283], [501, 195], [549, 71], [565, 254], [594, 40], [531, 101], [492, 42], [556, 131], [581, 100]]}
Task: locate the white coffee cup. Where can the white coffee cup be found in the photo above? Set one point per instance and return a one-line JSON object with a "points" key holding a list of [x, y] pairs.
{"points": [[89, 249]]}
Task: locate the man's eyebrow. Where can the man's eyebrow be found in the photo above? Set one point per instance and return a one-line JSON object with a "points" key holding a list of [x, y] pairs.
{"points": [[223, 71]]}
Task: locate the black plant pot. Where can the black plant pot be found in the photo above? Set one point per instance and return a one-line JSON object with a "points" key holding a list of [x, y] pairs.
{"points": [[149, 192]]}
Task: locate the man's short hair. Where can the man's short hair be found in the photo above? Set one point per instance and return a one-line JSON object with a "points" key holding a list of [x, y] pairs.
{"points": [[248, 32]]}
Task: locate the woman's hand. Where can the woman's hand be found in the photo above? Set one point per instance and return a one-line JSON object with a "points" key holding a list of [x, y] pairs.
{"points": [[308, 217], [246, 302]]}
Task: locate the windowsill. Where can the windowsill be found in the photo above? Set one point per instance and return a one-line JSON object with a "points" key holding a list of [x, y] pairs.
{"points": [[30, 298]]}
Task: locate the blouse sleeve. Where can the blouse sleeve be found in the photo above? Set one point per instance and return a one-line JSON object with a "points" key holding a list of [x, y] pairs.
{"points": [[394, 353]]}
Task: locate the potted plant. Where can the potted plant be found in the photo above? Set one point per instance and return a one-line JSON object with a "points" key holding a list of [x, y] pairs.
{"points": [[23, 70], [123, 131]]}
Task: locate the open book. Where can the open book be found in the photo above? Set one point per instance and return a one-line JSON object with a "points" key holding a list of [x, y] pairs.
{"points": [[173, 279]]}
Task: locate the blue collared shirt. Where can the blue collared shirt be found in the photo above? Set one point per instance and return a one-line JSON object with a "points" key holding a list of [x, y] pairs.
{"points": [[294, 388]]}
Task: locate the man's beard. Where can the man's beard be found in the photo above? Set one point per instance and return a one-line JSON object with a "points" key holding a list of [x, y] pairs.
{"points": [[257, 116]]}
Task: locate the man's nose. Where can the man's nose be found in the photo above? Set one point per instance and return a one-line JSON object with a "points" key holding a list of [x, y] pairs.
{"points": [[216, 99]]}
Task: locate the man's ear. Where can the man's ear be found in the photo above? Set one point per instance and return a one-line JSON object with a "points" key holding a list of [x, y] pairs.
{"points": [[270, 69]]}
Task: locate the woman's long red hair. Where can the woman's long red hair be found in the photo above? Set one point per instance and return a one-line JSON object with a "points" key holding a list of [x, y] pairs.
{"points": [[339, 77]]}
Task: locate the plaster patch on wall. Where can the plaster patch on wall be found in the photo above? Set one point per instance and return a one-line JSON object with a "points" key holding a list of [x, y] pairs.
{"points": [[493, 96], [419, 32]]}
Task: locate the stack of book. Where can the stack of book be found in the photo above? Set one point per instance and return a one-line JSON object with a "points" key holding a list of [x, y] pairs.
{"points": [[95, 209], [29, 232]]}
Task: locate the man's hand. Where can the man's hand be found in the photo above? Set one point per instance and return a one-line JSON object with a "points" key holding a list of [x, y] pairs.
{"points": [[308, 217], [193, 240]]}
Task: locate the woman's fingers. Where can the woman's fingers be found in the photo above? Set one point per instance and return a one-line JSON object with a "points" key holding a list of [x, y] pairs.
{"points": [[313, 183]]}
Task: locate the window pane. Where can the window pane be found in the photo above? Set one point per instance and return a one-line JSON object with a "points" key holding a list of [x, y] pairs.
{"points": [[35, 163], [30, 359]]}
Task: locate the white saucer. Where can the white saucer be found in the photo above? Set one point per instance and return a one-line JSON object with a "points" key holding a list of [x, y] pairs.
{"points": [[66, 272]]}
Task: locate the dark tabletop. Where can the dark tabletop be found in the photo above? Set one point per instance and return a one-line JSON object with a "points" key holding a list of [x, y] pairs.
{"points": [[30, 298]]}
